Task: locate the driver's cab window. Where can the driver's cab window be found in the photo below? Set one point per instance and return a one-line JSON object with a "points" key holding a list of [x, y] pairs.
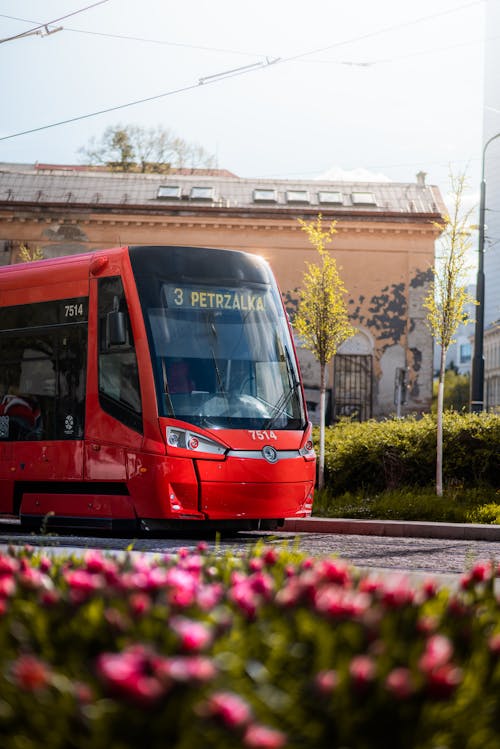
{"points": [[119, 391]]}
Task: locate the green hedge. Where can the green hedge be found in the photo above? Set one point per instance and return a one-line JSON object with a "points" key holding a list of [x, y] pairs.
{"points": [[374, 456], [268, 649]]}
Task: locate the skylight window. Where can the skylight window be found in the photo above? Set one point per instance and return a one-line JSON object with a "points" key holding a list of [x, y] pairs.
{"points": [[169, 191], [297, 196], [363, 198], [328, 196], [264, 196], [202, 193]]}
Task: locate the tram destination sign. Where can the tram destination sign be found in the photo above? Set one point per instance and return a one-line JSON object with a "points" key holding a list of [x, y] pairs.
{"points": [[196, 297]]}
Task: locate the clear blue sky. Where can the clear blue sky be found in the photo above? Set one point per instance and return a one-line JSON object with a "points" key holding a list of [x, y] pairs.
{"points": [[391, 87]]}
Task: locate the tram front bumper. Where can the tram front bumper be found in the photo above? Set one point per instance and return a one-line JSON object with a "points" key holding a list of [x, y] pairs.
{"points": [[245, 487]]}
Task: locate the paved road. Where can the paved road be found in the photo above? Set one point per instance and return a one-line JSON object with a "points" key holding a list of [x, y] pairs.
{"points": [[440, 557]]}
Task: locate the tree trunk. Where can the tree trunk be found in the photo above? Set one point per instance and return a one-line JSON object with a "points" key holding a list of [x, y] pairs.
{"points": [[439, 447], [322, 414]]}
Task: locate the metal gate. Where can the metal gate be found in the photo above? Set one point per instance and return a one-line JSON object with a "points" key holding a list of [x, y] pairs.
{"points": [[353, 386]]}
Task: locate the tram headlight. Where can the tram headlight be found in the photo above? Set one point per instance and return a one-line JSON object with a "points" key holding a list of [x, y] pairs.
{"points": [[307, 450], [185, 439]]}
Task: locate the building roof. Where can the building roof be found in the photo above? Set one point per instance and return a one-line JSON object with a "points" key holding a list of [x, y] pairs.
{"points": [[67, 185]]}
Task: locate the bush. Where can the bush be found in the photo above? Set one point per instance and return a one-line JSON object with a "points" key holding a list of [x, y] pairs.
{"points": [[375, 456], [457, 505], [267, 649]]}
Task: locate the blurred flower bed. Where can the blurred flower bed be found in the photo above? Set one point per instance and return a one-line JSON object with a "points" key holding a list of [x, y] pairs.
{"points": [[266, 649]]}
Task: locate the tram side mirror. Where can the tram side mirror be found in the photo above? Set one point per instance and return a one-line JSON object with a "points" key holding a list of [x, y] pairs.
{"points": [[117, 328]]}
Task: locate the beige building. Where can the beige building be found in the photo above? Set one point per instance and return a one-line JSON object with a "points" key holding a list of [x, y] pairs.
{"points": [[384, 247], [492, 367]]}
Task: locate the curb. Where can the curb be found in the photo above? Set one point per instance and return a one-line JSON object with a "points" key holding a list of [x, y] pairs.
{"points": [[396, 528]]}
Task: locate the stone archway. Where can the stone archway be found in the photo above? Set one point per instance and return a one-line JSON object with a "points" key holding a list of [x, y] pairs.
{"points": [[353, 378]]}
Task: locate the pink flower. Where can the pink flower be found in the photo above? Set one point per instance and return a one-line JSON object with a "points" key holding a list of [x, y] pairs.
{"points": [[8, 565], [427, 624], [262, 584], [49, 597], [182, 587], [456, 607], [290, 593], [32, 579], [335, 571], [443, 680], [494, 644], [480, 573], [397, 591], [7, 586], [362, 670], [245, 597], [438, 651], [370, 584], [194, 636], [326, 681], [209, 596], [430, 588], [228, 707], [95, 561], [399, 683], [262, 737], [182, 669], [140, 604], [341, 603], [193, 564], [45, 564], [270, 557], [30, 673], [82, 584], [131, 675]]}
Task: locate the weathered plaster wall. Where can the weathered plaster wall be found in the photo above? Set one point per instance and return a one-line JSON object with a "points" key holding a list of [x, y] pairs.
{"points": [[384, 264]]}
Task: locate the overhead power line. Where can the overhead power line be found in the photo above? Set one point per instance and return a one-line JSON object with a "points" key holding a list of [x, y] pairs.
{"points": [[377, 32], [201, 82], [224, 75], [127, 38], [50, 23]]}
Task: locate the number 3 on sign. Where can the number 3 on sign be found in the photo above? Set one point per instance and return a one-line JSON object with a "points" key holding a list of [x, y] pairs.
{"points": [[263, 435]]}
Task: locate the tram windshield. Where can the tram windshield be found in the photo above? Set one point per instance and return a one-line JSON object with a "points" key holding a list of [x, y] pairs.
{"points": [[223, 355]]}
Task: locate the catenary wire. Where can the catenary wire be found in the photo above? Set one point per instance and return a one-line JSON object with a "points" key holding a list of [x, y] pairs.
{"points": [[50, 23], [224, 75]]}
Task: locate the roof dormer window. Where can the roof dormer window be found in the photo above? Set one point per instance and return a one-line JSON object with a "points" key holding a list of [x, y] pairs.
{"points": [[363, 198], [329, 196], [262, 195], [172, 192], [202, 193], [297, 196]]}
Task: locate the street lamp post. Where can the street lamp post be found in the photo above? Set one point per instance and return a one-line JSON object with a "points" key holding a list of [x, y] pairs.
{"points": [[477, 382]]}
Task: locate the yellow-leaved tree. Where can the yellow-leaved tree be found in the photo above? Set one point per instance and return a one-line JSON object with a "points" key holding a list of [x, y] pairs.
{"points": [[28, 255], [322, 320], [447, 298]]}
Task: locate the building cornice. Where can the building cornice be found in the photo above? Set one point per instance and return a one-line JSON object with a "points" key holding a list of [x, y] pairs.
{"points": [[228, 217]]}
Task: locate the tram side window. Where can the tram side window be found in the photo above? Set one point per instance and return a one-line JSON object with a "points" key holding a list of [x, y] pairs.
{"points": [[119, 391], [42, 385]]}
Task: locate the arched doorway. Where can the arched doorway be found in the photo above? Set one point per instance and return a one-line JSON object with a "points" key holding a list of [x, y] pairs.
{"points": [[353, 379]]}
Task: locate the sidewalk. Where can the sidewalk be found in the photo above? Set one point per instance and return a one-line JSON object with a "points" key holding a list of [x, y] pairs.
{"points": [[407, 529]]}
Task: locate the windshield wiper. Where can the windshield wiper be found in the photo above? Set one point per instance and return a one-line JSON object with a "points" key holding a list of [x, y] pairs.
{"points": [[279, 407], [294, 385]]}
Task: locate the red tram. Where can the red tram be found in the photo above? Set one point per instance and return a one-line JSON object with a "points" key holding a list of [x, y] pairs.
{"points": [[149, 387]]}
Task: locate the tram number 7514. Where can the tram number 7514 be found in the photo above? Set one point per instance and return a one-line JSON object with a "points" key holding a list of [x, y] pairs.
{"points": [[262, 435]]}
